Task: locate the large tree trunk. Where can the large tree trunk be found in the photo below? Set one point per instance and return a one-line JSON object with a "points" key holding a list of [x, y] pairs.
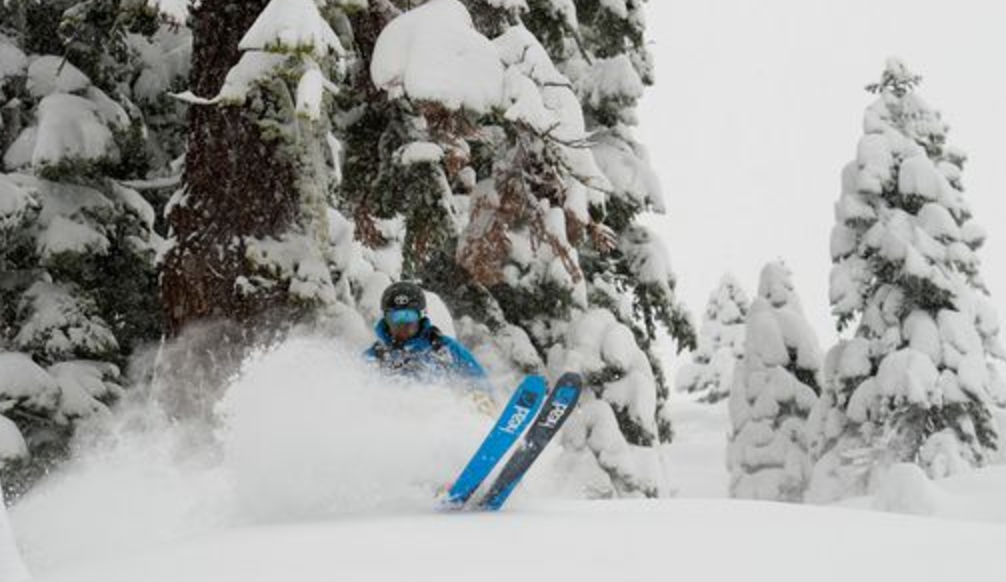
{"points": [[238, 185], [235, 186]]}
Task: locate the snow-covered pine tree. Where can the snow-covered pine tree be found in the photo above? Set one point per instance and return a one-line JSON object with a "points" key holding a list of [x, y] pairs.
{"points": [[720, 345], [600, 48], [604, 57], [251, 250], [775, 387], [405, 153], [532, 239], [160, 61], [415, 146], [77, 259], [917, 382]]}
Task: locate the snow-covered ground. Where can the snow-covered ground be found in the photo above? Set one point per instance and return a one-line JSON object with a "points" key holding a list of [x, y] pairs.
{"points": [[696, 460], [326, 472], [625, 541]]}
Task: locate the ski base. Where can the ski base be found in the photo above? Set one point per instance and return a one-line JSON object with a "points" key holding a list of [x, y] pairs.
{"points": [[520, 411], [557, 409]]}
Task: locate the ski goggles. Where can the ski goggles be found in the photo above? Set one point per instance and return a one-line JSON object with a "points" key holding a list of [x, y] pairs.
{"points": [[397, 317]]}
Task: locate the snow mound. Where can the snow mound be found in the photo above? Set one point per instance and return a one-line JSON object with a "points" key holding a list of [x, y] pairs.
{"points": [[906, 489], [972, 496]]}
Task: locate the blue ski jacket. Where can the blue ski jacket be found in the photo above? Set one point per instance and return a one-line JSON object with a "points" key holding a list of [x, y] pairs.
{"points": [[429, 355]]}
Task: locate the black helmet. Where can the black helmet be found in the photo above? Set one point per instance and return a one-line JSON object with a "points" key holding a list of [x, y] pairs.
{"points": [[403, 295]]}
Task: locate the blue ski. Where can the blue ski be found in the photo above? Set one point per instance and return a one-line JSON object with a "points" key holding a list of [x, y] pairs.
{"points": [[558, 407], [519, 412]]}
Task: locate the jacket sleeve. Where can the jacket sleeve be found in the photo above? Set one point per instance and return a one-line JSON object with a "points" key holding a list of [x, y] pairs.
{"points": [[466, 365]]}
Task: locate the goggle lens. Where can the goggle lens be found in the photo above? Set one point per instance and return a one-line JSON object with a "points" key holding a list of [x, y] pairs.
{"points": [[402, 317]]}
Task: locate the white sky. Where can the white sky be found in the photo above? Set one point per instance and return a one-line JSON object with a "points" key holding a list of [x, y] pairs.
{"points": [[758, 106]]}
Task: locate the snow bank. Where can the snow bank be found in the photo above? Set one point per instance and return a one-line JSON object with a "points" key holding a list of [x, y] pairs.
{"points": [[975, 496]]}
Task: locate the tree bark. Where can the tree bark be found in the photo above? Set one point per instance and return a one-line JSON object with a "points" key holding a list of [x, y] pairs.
{"points": [[235, 185]]}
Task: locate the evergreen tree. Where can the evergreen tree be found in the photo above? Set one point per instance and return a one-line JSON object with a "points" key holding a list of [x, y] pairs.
{"points": [[918, 382], [720, 345], [251, 250], [775, 387], [600, 48], [160, 66], [77, 260], [538, 242]]}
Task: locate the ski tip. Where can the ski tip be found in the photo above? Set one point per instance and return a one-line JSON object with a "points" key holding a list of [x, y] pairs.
{"points": [[570, 379], [534, 381]]}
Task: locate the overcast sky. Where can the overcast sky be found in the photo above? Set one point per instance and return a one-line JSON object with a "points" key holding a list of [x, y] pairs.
{"points": [[758, 106]]}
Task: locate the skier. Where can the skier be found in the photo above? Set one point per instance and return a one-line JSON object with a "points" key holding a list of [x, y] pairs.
{"points": [[409, 344]]}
